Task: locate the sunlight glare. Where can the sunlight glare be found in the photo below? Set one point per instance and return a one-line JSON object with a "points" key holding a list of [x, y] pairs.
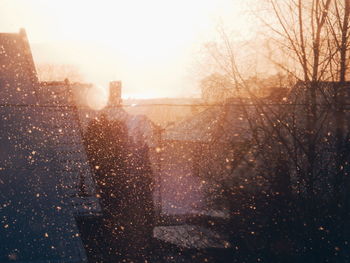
{"points": [[155, 40], [97, 97]]}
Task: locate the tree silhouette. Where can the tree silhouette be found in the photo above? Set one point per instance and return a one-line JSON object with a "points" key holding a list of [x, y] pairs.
{"points": [[124, 178]]}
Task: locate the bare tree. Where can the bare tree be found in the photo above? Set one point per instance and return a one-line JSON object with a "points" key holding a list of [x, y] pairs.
{"points": [[338, 27], [299, 140], [54, 72], [306, 31]]}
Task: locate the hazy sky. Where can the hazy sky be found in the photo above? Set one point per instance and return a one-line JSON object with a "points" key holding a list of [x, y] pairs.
{"points": [[150, 45]]}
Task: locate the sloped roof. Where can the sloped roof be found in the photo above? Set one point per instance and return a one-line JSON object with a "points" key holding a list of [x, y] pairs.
{"points": [[42, 161], [37, 223], [225, 123], [61, 115], [325, 92], [55, 93], [17, 71]]}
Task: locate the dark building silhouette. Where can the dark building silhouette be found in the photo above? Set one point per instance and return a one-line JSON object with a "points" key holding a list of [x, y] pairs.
{"points": [[42, 164]]}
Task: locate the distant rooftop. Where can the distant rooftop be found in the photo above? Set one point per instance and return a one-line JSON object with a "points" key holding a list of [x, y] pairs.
{"points": [[18, 78]]}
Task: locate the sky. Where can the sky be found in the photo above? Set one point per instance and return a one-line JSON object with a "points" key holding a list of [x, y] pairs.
{"points": [[151, 46]]}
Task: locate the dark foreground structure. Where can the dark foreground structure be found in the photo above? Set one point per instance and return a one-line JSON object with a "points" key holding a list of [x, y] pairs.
{"points": [[66, 194], [42, 164]]}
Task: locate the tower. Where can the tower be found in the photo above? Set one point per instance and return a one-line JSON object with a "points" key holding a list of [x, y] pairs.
{"points": [[115, 93]]}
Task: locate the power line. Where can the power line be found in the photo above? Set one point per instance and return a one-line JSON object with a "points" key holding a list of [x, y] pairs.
{"points": [[167, 105], [222, 105]]}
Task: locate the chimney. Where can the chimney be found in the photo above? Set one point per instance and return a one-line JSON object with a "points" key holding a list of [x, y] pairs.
{"points": [[115, 93]]}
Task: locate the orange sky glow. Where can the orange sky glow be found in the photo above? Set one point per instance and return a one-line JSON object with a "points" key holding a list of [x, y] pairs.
{"points": [[150, 46]]}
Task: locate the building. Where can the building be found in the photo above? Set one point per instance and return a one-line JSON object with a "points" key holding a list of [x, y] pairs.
{"points": [[45, 177], [164, 111], [196, 150]]}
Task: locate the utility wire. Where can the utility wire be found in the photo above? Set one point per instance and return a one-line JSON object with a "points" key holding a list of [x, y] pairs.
{"points": [[165, 105]]}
